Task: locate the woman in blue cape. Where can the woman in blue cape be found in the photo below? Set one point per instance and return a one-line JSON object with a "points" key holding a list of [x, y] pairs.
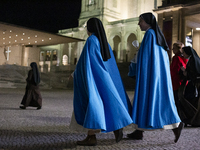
{"points": [[153, 104], [100, 100]]}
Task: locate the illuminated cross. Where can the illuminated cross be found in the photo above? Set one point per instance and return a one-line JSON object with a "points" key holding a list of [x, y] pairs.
{"points": [[8, 51]]}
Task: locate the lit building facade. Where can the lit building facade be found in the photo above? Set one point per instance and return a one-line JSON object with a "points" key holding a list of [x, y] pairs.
{"points": [[120, 20], [21, 46], [180, 21]]}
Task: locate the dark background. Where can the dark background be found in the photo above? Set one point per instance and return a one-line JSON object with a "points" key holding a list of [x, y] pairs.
{"points": [[48, 15]]}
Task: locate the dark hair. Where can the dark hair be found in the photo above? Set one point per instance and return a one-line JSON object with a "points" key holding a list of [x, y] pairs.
{"points": [[179, 46]]}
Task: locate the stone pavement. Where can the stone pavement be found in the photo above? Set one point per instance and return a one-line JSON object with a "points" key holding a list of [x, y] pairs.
{"points": [[48, 128]]}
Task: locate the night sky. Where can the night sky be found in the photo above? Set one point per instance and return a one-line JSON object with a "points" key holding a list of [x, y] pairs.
{"points": [[44, 15]]}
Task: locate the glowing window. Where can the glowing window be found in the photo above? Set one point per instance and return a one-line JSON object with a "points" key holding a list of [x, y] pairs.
{"points": [[54, 55], [65, 60], [42, 56], [48, 56]]}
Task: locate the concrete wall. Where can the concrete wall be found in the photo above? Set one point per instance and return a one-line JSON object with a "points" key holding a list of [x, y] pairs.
{"points": [[2, 58], [30, 54], [15, 55], [196, 41]]}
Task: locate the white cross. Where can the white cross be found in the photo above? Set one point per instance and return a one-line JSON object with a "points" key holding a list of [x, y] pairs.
{"points": [[8, 51]]}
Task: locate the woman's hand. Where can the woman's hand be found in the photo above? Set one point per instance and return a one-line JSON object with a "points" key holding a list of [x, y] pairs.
{"points": [[184, 71], [182, 68]]}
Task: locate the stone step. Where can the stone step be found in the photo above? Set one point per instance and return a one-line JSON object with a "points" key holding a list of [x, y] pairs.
{"points": [[12, 76], [61, 78], [5, 84]]}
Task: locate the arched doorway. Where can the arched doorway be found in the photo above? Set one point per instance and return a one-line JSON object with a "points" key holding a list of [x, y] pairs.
{"points": [[131, 50], [116, 47], [65, 60]]}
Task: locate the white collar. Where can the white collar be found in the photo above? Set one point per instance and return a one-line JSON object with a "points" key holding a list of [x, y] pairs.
{"points": [[189, 58], [148, 28]]}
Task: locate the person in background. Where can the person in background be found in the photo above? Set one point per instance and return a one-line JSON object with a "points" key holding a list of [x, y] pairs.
{"points": [[132, 66], [178, 61], [100, 100], [153, 105], [32, 95], [191, 97]]}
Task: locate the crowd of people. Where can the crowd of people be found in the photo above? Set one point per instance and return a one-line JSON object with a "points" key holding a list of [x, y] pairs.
{"points": [[166, 95]]}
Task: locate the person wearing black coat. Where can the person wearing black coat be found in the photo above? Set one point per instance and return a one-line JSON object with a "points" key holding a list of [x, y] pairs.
{"points": [[190, 96], [32, 95]]}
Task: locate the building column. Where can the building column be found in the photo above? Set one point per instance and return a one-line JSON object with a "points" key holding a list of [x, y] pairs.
{"points": [[59, 55], [175, 26], [51, 58], [183, 27], [79, 50], [160, 21], [123, 46], [122, 50], [70, 57]]}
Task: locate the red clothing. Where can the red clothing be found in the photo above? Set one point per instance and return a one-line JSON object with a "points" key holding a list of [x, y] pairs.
{"points": [[177, 62]]}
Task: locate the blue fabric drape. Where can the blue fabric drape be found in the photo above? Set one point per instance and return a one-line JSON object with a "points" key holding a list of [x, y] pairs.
{"points": [[153, 105], [100, 100], [132, 69]]}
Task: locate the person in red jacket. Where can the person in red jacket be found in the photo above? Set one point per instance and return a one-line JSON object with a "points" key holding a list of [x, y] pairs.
{"points": [[177, 62]]}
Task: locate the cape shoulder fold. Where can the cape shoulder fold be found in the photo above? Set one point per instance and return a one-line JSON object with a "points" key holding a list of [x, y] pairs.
{"points": [[99, 95], [153, 99]]}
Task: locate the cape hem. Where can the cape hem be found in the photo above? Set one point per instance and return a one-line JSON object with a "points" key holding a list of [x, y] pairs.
{"points": [[165, 127]]}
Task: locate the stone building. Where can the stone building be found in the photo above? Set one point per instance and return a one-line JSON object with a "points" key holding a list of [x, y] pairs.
{"points": [[180, 21], [21, 46], [120, 20]]}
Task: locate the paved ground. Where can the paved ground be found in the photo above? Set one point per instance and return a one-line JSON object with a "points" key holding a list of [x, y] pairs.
{"points": [[48, 128]]}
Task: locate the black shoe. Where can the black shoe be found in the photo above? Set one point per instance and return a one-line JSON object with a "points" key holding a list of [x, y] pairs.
{"points": [[177, 131], [118, 135], [136, 135], [22, 107], [39, 107], [195, 125], [89, 141]]}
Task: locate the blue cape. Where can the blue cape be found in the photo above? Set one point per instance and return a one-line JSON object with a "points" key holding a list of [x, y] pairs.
{"points": [[132, 69], [100, 100], [153, 105]]}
